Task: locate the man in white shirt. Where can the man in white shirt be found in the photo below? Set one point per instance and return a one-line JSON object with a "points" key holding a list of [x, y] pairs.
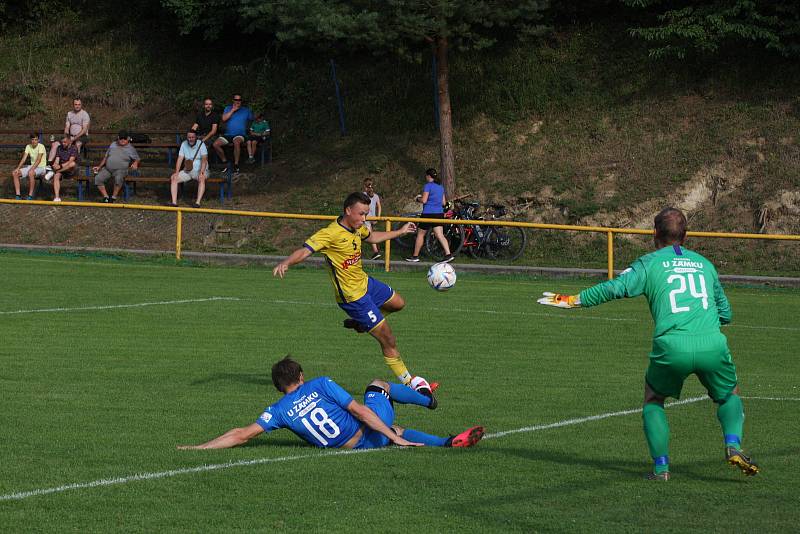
{"points": [[192, 164]]}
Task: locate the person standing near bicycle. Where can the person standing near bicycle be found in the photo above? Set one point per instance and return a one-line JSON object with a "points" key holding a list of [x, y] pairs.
{"points": [[433, 201]]}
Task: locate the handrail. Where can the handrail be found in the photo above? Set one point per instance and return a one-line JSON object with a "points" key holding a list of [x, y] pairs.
{"points": [[609, 231]]}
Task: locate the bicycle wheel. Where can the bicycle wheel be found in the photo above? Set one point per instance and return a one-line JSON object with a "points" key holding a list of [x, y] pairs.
{"points": [[405, 241], [505, 243], [454, 233]]}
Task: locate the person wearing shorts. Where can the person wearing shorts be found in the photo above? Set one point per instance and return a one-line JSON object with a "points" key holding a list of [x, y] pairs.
{"points": [[688, 306], [65, 165], [120, 157], [237, 119], [321, 413], [365, 300], [192, 164], [36, 168], [259, 131], [433, 201]]}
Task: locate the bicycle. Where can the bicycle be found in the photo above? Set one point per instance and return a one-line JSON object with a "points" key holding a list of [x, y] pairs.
{"points": [[505, 243], [454, 233]]}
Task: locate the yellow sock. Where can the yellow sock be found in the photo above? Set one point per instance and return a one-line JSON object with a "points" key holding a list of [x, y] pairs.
{"points": [[398, 368]]}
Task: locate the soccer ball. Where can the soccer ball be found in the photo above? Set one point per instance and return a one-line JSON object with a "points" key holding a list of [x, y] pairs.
{"points": [[441, 276]]}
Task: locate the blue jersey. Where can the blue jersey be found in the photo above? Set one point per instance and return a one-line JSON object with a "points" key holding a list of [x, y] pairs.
{"points": [[435, 202], [316, 412], [237, 123]]}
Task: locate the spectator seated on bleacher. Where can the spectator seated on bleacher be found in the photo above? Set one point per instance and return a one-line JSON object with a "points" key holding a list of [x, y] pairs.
{"points": [[119, 157], [76, 127], [207, 122], [237, 119], [36, 169], [259, 131], [65, 165], [192, 164]]}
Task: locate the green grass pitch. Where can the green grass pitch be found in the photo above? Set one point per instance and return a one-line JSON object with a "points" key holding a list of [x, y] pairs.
{"points": [[98, 391]]}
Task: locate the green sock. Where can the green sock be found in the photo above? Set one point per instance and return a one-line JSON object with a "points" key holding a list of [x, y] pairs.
{"points": [[656, 430], [731, 416]]}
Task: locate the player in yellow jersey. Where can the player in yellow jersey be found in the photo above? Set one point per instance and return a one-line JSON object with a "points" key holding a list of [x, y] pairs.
{"points": [[365, 299]]}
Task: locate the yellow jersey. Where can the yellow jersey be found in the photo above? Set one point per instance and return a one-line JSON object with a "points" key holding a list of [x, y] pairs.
{"points": [[341, 248]]}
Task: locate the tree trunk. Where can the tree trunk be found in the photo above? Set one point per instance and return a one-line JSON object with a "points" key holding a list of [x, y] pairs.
{"points": [[447, 170]]}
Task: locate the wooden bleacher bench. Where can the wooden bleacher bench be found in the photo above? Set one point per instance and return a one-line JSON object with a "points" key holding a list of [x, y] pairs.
{"points": [[86, 180], [224, 184]]}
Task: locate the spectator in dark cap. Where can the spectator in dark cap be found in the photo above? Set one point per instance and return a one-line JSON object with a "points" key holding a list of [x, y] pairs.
{"points": [[119, 158]]}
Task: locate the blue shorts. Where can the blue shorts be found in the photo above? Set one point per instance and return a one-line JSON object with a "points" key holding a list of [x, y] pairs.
{"points": [[367, 310], [378, 402]]}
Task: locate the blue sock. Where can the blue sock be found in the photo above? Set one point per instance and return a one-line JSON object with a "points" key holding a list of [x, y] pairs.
{"points": [[415, 436], [406, 395]]}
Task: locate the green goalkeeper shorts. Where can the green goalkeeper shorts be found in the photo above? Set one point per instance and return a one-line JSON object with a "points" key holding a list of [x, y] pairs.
{"points": [[675, 356]]}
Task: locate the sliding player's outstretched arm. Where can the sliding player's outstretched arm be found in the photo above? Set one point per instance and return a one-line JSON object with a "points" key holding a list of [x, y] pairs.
{"points": [[371, 419], [294, 258], [232, 438]]}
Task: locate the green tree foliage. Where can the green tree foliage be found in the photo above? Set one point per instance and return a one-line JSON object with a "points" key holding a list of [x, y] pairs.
{"points": [[404, 27], [706, 26]]}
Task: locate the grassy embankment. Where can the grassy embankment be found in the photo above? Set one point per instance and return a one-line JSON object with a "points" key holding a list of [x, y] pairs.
{"points": [[581, 128]]}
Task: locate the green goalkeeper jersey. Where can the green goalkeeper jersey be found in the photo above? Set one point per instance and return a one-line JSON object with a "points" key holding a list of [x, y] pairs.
{"points": [[681, 286]]}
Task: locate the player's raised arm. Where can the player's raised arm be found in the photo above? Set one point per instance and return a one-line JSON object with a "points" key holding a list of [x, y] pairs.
{"points": [[380, 237], [232, 438], [294, 258], [370, 418]]}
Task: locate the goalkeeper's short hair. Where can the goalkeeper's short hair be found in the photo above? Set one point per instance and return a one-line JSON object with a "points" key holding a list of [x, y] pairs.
{"points": [[670, 226]]}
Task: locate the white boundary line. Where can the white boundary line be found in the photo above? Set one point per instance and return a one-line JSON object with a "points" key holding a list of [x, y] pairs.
{"points": [[175, 472], [18, 496], [214, 467], [117, 306], [579, 420]]}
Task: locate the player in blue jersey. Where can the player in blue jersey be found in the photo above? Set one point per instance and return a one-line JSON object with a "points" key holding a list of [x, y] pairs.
{"points": [[322, 413]]}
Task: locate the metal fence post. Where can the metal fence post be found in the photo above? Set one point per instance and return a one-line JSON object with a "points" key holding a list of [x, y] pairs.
{"points": [[388, 251], [610, 255], [178, 233]]}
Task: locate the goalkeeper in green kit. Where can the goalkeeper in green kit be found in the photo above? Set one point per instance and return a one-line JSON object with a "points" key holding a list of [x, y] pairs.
{"points": [[688, 306]]}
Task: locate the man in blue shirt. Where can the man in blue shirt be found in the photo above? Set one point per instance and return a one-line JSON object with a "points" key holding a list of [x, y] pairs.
{"points": [[237, 120], [323, 414]]}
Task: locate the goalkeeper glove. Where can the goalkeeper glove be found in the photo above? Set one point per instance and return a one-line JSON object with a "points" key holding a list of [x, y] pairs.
{"points": [[560, 301]]}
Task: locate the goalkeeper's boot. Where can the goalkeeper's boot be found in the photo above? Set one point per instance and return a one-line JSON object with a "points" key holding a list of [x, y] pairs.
{"points": [[736, 457], [354, 325], [662, 477], [467, 438], [420, 385]]}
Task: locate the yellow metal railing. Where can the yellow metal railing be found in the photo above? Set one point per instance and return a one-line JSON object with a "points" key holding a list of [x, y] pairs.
{"points": [[389, 220]]}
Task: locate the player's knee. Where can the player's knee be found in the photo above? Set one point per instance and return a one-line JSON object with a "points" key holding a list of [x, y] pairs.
{"points": [[380, 384], [399, 430], [394, 304]]}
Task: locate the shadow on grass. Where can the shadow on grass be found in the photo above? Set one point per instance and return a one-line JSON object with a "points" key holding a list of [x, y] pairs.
{"points": [[293, 444], [631, 469], [242, 378], [540, 499]]}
